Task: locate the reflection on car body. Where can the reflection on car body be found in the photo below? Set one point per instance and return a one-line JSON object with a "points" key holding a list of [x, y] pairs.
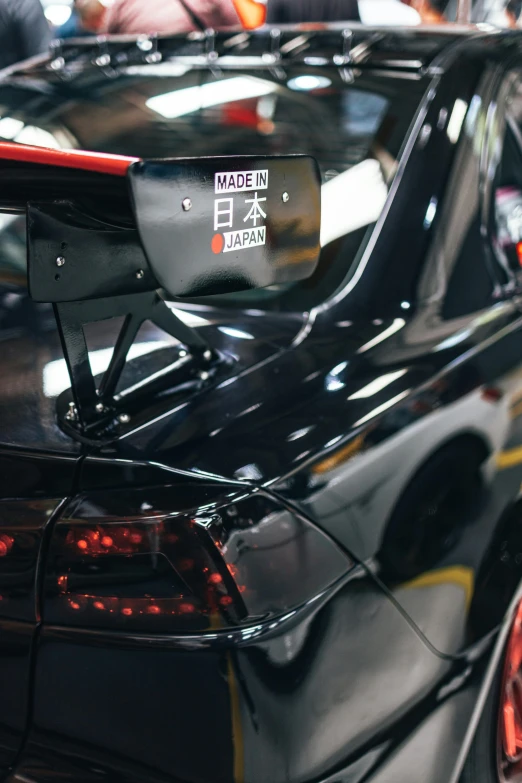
{"points": [[301, 564]]}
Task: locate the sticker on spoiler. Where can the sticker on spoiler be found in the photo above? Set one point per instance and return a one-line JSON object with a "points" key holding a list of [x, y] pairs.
{"points": [[235, 211], [239, 181]]}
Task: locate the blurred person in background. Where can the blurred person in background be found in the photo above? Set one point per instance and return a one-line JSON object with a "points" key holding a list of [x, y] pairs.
{"points": [[373, 12], [387, 12], [24, 30], [295, 11], [169, 16], [513, 9], [430, 11], [87, 18], [252, 13]]}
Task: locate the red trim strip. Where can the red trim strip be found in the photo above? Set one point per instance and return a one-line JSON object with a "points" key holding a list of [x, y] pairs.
{"points": [[70, 159]]}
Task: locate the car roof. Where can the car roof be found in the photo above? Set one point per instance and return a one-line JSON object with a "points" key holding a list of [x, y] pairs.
{"points": [[340, 44]]}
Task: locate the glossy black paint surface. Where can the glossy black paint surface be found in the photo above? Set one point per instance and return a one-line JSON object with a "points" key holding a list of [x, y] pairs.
{"points": [[16, 641], [31, 489], [65, 231], [253, 702], [387, 418]]}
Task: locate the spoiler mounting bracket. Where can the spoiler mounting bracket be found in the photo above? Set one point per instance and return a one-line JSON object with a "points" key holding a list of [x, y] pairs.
{"points": [[99, 411]]}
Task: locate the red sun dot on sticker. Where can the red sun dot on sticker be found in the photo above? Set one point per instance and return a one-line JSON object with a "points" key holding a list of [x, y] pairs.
{"points": [[217, 243]]}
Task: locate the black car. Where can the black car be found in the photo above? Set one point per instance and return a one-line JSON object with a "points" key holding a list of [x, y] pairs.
{"points": [[260, 471]]}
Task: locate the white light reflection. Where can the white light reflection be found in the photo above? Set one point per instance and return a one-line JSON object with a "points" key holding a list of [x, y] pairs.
{"points": [[395, 327], [231, 332], [405, 305], [248, 473], [382, 408], [454, 339], [352, 200], [299, 433], [228, 382], [337, 370], [332, 382], [180, 102], [250, 410], [56, 376], [57, 13], [308, 82], [156, 69], [9, 127], [188, 318], [333, 442], [377, 385], [457, 118], [473, 115], [316, 60], [37, 137], [430, 213], [16, 130]]}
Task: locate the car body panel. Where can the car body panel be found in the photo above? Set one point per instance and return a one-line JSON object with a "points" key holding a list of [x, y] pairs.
{"points": [[32, 487], [262, 694]]}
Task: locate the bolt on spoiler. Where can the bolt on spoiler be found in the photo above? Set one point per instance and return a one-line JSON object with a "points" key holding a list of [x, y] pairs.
{"points": [[191, 227]]}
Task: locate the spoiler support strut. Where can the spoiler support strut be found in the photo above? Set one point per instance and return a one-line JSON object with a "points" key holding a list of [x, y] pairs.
{"points": [[96, 410]]}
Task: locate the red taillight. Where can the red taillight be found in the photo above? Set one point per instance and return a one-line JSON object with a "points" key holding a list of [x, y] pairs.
{"points": [[159, 572], [6, 544], [164, 573]]}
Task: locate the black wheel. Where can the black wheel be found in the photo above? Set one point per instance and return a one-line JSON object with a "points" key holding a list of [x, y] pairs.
{"points": [[496, 752], [430, 517]]}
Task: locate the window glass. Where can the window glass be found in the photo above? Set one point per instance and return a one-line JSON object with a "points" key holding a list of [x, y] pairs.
{"points": [[470, 287], [13, 250], [460, 247], [482, 236], [354, 125], [491, 254]]}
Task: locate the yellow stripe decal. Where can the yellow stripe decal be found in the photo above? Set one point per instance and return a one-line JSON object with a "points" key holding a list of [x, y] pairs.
{"points": [[237, 727], [509, 458], [457, 575]]}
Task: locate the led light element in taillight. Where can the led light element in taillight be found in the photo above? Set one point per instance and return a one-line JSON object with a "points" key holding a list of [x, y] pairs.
{"points": [[245, 562], [6, 544]]}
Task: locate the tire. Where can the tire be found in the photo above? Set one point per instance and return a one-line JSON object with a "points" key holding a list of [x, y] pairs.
{"points": [[433, 512]]}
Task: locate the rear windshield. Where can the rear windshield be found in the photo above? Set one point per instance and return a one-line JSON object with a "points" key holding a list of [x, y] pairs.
{"points": [[354, 123]]}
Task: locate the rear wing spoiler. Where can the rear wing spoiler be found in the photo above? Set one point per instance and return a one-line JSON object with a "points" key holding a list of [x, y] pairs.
{"points": [[191, 226], [116, 165], [105, 232]]}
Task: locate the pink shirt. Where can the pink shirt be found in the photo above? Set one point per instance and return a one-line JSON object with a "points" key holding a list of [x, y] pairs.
{"points": [[167, 16]]}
